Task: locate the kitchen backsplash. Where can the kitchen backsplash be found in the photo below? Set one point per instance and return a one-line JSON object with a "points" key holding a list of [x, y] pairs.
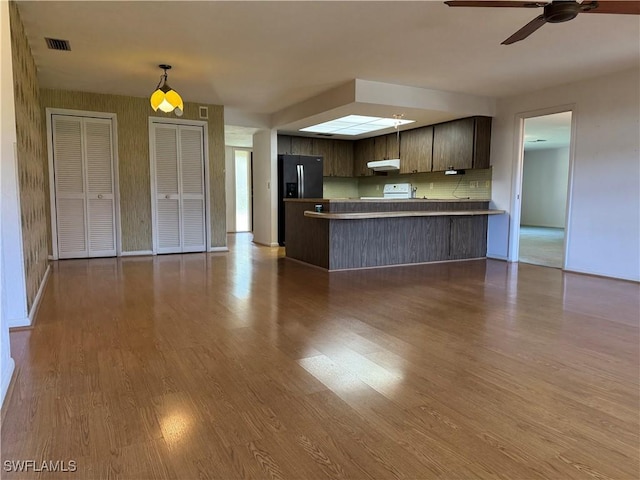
{"points": [[474, 184], [337, 187]]}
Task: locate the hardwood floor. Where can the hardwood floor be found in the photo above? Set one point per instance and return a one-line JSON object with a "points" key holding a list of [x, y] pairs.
{"points": [[247, 365]]}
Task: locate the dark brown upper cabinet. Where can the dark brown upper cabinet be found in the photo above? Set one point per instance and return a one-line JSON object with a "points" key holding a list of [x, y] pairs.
{"points": [[284, 145], [392, 146], [302, 146], [416, 150], [324, 147], [462, 144], [363, 152], [337, 155], [342, 163]]}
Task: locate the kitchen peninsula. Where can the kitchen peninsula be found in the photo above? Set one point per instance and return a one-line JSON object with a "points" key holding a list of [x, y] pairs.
{"points": [[351, 233]]}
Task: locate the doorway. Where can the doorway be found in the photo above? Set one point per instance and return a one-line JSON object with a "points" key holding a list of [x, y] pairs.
{"points": [[243, 176], [239, 189], [546, 153]]}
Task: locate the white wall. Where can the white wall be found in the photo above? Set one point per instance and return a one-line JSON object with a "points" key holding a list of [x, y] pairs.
{"points": [[544, 187], [604, 224], [265, 187], [8, 201]]}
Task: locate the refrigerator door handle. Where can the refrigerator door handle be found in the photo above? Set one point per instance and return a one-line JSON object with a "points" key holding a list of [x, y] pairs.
{"points": [[298, 181], [302, 180]]}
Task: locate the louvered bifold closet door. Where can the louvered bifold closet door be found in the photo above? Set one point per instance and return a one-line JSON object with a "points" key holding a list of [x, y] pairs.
{"points": [[192, 189], [169, 235], [101, 222], [69, 187]]}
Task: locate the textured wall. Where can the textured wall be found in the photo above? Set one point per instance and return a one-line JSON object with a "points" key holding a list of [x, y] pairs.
{"points": [[133, 158], [31, 158]]}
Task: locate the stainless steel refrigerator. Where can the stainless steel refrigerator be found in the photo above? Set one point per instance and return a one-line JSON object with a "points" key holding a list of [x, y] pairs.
{"points": [[299, 176]]}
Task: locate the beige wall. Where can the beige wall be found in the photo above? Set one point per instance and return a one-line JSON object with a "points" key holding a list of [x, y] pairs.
{"points": [[545, 180], [133, 159], [31, 171], [603, 222]]}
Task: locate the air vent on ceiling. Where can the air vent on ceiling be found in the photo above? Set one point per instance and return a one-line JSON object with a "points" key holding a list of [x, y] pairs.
{"points": [[325, 134], [57, 44]]}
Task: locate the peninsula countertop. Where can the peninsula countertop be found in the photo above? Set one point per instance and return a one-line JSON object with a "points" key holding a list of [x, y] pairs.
{"points": [[368, 215], [387, 200]]}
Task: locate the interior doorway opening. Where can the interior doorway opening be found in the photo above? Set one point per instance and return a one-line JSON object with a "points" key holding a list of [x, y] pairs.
{"points": [[242, 159], [545, 187]]}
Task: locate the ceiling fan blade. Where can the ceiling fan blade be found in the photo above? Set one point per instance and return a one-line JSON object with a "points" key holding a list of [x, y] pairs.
{"points": [[525, 31], [489, 3], [619, 7]]}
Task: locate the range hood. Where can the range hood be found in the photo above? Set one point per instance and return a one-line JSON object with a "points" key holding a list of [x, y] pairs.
{"points": [[384, 165]]}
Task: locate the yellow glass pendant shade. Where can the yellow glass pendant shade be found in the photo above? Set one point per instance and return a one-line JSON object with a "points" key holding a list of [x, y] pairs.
{"points": [[174, 99], [156, 99]]}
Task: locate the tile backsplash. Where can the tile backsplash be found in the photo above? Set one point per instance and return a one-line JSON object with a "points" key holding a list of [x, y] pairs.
{"points": [[338, 187], [437, 185]]}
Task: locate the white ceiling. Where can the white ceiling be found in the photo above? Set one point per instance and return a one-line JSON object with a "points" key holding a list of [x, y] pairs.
{"points": [[554, 129], [265, 57]]}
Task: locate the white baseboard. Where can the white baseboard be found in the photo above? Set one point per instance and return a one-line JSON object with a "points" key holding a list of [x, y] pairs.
{"points": [[136, 253], [498, 257], [8, 367], [571, 269], [36, 301], [28, 320], [272, 244], [50, 257], [218, 249]]}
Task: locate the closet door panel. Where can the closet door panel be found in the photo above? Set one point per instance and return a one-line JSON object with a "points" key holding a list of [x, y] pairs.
{"points": [[101, 226], [192, 189], [167, 189], [69, 186], [193, 229], [102, 242], [168, 211], [72, 241]]}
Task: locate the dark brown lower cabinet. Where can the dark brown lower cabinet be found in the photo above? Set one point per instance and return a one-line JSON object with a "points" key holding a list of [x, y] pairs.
{"points": [[467, 237]]}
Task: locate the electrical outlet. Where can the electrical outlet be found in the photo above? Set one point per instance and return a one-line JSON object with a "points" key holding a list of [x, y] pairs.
{"points": [[377, 188], [473, 184], [431, 186], [487, 184]]}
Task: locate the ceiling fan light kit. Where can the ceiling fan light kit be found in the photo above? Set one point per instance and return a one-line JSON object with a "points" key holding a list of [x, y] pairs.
{"points": [[555, 11], [166, 98]]}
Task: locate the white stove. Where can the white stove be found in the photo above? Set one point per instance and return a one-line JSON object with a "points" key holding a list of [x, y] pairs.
{"points": [[393, 191], [397, 191]]}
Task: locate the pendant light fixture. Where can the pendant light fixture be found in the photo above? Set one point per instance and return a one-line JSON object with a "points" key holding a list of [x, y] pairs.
{"points": [[165, 98]]}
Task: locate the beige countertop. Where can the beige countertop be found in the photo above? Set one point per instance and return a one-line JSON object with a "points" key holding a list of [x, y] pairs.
{"points": [[378, 200], [366, 215]]}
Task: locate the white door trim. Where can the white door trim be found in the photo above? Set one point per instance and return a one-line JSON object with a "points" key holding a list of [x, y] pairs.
{"points": [[516, 199], [52, 186], [152, 170]]}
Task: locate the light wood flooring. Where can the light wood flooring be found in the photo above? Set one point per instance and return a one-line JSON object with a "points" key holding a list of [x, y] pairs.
{"points": [[248, 365]]}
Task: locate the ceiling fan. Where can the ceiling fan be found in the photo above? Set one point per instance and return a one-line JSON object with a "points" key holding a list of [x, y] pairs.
{"points": [[556, 11]]}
